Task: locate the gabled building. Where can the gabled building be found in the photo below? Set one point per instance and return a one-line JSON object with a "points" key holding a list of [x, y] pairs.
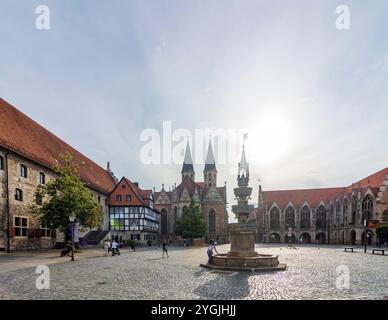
{"points": [[327, 215], [28, 153], [132, 214], [206, 193]]}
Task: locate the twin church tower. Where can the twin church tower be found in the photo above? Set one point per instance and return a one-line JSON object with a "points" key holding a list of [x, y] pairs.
{"points": [[209, 197]]}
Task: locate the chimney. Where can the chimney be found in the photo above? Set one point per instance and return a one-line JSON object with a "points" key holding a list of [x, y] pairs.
{"points": [[136, 184], [108, 166]]}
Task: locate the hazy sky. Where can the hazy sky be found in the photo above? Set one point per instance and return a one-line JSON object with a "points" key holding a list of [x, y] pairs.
{"points": [[312, 98]]}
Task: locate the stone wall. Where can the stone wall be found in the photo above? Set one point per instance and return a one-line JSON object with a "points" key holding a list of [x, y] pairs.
{"points": [[28, 185]]}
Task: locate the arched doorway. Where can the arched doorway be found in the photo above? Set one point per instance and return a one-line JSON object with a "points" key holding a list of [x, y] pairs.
{"points": [[320, 238], [274, 238], [287, 238], [368, 238], [164, 222], [305, 238], [353, 237]]}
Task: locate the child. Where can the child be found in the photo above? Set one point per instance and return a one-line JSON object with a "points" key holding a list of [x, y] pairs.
{"points": [[106, 247], [115, 248]]}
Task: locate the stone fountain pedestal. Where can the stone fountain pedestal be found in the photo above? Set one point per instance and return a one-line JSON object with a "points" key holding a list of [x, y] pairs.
{"points": [[242, 255]]}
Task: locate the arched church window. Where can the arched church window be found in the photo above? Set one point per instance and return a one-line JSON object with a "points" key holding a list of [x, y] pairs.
{"points": [[367, 207], [164, 222], [321, 217], [290, 217], [274, 218], [212, 220], [305, 217], [354, 209]]}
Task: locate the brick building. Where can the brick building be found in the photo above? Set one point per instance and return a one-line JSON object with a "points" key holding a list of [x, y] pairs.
{"points": [[210, 198], [327, 215]]}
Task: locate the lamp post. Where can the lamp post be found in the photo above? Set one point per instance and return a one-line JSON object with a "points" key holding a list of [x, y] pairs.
{"points": [[72, 221], [365, 238]]}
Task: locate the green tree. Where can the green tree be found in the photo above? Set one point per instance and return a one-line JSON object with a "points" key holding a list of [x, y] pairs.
{"points": [[64, 196], [191, 224]]}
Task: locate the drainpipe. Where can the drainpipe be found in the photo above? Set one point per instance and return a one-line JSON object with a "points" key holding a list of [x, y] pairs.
{"points": [[7, 201]]}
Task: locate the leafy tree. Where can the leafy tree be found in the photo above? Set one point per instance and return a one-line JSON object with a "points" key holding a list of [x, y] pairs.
{"points": [[191, 224], [64, 196]]}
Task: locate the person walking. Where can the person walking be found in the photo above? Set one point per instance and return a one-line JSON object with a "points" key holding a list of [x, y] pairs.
{"points": [[210, 249], [164, 248], [106, 247], [115, 248]]}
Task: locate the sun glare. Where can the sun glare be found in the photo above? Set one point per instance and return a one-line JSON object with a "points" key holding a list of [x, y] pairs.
{"points": [[269, 139]]}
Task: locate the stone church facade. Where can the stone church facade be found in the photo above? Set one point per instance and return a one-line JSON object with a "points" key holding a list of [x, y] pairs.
{"points": [[210, 198], [327, 215]]}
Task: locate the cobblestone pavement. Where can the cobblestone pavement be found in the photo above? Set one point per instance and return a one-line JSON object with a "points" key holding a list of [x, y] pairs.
{"points": [[144, 274]]}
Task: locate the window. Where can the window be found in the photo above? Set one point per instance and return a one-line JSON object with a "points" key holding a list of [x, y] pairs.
{"points": [[321, 217], [354, 209], [18, 194], [106, 201], [42, 178], [128, 197], [46, 232], [123, 186], [21, 226], [212, 220], [118, 197], [274, 218], [99, 199], [1, 163], [290, 217], [164, 222], [385, 216], [367, 208], [38, 199], [23, 171], [305, 218]]}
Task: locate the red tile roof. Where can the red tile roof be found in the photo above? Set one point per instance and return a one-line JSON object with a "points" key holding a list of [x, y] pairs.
{"points": [[314, 196], [24, 136], [298, 197]]}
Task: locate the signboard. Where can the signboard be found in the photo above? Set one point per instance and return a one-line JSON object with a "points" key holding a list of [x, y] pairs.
{"points": [[373, 224]]}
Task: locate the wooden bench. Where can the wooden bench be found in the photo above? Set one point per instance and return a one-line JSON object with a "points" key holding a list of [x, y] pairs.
{"points": [[349, 249], [378, 250]]}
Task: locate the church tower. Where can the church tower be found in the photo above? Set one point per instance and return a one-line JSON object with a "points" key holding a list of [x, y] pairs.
{"points": [[210, 171], [187, 168]]}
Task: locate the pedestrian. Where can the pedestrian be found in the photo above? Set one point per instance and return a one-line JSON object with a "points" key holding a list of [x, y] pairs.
{"points": [[106, 247], [164, 248], [210, 249], [115, 248]]}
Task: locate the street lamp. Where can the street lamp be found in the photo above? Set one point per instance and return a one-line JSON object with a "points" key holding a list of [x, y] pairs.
{"points": [[72, 221], [365, 237]]}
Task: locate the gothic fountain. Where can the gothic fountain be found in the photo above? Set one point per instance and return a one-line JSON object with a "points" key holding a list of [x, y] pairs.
{"points": [[242, 254]]}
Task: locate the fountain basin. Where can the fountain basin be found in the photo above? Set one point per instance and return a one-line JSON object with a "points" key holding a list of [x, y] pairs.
{"points": [[260, 262]]}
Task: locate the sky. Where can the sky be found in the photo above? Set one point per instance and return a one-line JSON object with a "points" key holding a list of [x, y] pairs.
{"points": [[312, 97]]}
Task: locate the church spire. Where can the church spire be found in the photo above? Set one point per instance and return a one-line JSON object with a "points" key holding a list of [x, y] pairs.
{"points": [[210, 170], [187, 168]]}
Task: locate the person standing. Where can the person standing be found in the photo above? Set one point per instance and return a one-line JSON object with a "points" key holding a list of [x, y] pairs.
{"points": [[115, 248], [106, 247], [210, 249], [164, 248]]}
